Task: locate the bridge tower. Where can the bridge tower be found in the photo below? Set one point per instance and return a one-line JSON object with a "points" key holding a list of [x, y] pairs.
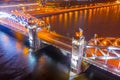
{"points": [[78, 44], [33, 38]]}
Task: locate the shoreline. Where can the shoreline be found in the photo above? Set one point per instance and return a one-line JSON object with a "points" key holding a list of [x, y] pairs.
{"points": [[52, 11]]}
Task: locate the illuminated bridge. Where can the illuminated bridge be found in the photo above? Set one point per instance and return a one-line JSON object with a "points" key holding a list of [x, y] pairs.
{"points": [[21, 23], [101, 52]]}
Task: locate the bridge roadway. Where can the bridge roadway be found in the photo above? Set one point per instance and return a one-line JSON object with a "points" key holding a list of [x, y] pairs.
{"points": [[56, 39]]}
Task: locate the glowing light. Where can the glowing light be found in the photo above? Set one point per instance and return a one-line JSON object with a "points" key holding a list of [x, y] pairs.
{"points": [[90, 16], [117, 1], [70, 16], [65, 19], [60, 17], [47, 19], [105, 42], [4, 15], [19, 36], [78, 34], [25, 51]]}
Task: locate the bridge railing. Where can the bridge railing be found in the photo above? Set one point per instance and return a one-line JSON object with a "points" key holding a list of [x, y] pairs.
{"points": [[104, 53]]}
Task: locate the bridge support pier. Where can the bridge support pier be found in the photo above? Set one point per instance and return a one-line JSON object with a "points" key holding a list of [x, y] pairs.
{"points": [[33, 38], [78, 44]]}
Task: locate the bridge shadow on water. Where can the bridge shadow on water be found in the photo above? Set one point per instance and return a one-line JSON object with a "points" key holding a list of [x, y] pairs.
{"points": [[54, 64], [17, 35]]}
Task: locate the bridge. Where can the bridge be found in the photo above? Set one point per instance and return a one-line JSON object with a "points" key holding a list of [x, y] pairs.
{"points": [[101, 52], [104, 52]]}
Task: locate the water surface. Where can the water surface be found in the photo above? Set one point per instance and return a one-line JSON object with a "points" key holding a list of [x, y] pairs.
{"points": [[103, 21]]}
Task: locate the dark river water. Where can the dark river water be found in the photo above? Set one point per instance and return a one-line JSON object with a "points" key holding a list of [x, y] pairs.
{"points": [[19, 62], [104, 21]]}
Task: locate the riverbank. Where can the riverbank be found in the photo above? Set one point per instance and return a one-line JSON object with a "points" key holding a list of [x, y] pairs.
{"points": [[48, 11]]}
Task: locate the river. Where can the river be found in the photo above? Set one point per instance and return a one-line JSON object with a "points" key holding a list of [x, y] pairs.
{"points": [[104, 21]]}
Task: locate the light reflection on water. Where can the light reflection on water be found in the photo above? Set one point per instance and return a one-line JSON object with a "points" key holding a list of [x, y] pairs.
{"points": [[18, 62], [14, 64], [103, 21]]}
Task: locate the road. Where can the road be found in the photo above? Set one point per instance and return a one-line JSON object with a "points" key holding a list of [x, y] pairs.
{"points": [[56, 40]]}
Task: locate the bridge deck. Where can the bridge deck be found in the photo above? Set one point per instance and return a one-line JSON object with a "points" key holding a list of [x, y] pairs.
{"points": [[56, 40]]}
